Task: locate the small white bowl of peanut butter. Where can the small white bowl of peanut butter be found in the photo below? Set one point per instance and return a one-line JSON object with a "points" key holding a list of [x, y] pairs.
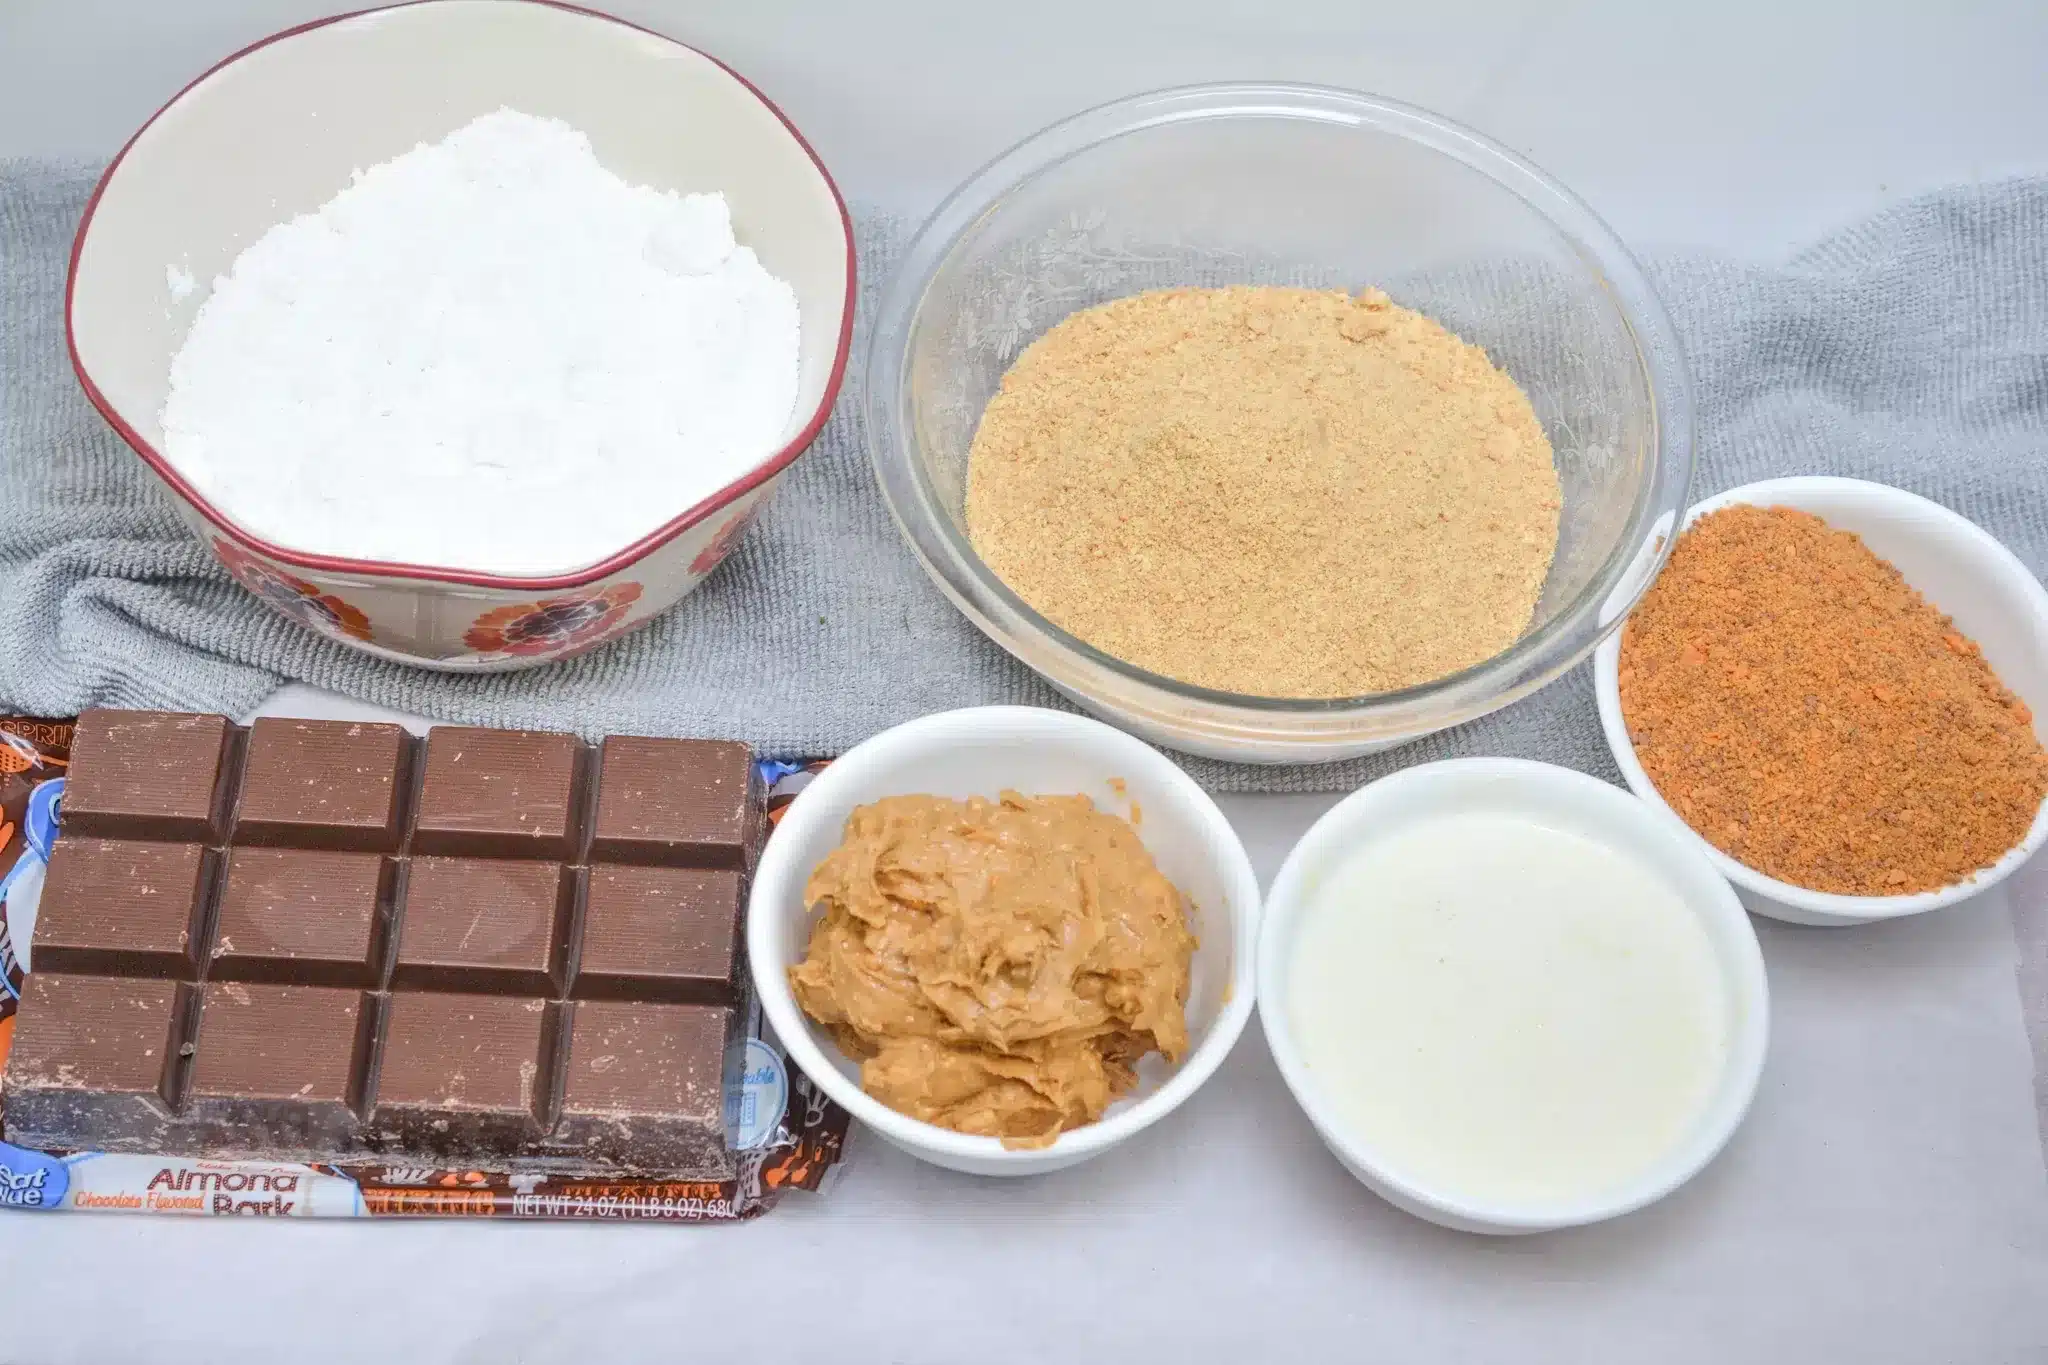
{"points": [[1005, 938]]}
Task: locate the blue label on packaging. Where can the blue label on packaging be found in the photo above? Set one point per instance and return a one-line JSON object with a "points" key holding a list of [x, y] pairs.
{"points": [[39, 827], [773, 770], [31, 1180], [21, 886], [754, 1111]]}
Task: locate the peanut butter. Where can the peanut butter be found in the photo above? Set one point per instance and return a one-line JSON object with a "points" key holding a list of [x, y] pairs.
{"points": [[999, 967]]}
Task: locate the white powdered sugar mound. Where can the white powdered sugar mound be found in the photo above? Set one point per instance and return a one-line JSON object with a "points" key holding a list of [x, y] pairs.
{"points": [[488, 354]]}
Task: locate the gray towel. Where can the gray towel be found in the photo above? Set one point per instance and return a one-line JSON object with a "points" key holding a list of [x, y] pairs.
{"points": [[1912, 349]]}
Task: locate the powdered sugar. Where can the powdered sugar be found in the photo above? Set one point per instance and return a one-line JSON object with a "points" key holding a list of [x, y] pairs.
{"points": [[488, 354]]}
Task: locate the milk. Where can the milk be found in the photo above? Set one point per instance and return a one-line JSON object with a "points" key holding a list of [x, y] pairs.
{"points": [[1505, 1012]]}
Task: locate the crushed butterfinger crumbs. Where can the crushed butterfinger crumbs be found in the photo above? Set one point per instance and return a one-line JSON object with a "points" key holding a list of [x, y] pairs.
{"points": [[1812, 716], [1270, 491]]}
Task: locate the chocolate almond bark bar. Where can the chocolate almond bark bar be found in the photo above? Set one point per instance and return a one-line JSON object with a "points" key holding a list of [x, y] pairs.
{"points": [[463, 1073], [485, 924], [646, 1080], [675, 803], [94, 1054], [660, 933], [126, 907], [502, 793], [148, 775], [278, 1068], [301, 915], [323, 784], [327, 940]]}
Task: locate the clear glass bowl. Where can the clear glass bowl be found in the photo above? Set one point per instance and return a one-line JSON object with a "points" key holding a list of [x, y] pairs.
{"points": [[1287, 184]]}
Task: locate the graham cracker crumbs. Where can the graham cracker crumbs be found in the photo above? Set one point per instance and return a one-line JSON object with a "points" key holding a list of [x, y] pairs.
{"points": [[1815, 718], [1278, 492]]}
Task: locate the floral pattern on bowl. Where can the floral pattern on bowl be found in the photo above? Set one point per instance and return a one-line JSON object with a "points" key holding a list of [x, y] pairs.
{"points": [[294, 597], [553, 624], [721, 544]]}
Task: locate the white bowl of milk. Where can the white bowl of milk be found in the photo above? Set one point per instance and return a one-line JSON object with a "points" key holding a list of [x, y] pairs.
{"points": [[1509, 997]]}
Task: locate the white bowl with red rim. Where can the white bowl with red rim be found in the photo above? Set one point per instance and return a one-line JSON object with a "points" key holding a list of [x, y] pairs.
{"points": [[276, 129]]}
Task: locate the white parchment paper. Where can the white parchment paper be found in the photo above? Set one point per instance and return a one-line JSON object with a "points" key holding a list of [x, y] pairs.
{"points": [[1885, 1203]]}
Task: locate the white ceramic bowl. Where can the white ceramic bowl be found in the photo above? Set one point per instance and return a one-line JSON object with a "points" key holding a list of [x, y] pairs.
{"points": [[1960, 568], [1561, 799], [275, 131], [980, 752]]}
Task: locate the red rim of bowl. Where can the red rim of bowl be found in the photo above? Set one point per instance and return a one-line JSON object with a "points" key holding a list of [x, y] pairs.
{"points": [[639, 549]]}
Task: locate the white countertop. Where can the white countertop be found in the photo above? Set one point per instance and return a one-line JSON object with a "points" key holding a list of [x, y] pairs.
{"points": [[1886, 1201]]}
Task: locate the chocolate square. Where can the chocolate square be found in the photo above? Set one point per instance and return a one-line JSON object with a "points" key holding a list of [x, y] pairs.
{"points": [[484, 924], [674, 802], [121, 907], [326, 784], [659, 933], [146, 775], [644, 1084], [296, 916], [498, 793], [91, 1054], [278, 1068], [462, 1073]]}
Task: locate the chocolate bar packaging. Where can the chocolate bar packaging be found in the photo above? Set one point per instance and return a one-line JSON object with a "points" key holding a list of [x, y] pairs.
{"points": [[33, 757], [347, 971]]}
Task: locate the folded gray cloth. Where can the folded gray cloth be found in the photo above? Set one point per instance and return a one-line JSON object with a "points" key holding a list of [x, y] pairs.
{"points": [[1912, 349]]}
